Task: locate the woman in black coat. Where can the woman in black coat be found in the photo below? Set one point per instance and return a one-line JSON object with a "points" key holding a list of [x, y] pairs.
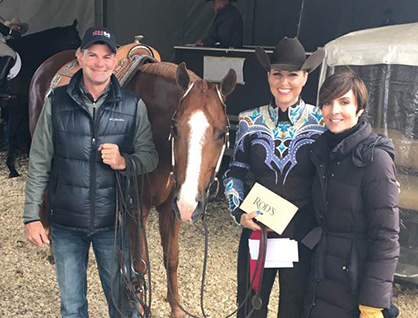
{"points": [[355, 196]]}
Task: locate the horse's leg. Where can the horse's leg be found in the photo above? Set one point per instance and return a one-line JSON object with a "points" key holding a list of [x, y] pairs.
{"points": [[165, 222], [13, 128]]}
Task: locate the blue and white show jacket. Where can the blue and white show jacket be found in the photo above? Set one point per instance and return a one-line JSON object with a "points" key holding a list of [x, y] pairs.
{"points": [[275, 153]]}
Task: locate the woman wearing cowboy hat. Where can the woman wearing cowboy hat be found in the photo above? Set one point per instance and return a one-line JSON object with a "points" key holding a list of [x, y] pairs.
{"points": [[8, 29], [272, 144]]}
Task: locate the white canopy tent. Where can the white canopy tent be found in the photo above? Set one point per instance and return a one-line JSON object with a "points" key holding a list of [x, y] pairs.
{"points": [[396, 44]]}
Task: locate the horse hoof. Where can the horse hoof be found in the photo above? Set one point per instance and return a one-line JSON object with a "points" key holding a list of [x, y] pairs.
{"points": [[13, 174], [51, 259], [178, 313]]}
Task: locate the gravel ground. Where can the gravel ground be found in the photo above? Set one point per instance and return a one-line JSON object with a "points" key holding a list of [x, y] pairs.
{"points": [[27, 281]]}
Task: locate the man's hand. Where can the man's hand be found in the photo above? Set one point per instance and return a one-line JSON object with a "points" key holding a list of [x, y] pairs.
{"points": [[198, 43], [111, 156], [248, 222], [35, 233]]}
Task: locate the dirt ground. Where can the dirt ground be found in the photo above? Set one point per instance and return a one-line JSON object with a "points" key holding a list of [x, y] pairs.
{"points": [[27, 280]]}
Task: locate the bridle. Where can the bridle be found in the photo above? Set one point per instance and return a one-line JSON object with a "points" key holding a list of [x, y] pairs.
{"points": [[213, 178], [260, 262]]}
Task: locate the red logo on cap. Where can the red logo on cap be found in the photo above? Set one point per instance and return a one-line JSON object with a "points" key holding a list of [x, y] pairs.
{"points": [[101, 33]]}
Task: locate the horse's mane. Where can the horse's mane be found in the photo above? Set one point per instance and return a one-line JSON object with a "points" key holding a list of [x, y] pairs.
{"points": [[167, 70]]}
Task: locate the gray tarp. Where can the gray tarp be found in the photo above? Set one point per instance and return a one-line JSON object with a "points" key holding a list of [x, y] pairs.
{"points": [[45, 14]]}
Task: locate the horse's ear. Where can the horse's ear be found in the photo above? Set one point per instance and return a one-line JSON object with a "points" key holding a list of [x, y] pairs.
{"points": [[75, 22], [228, 83], [182, 76]]}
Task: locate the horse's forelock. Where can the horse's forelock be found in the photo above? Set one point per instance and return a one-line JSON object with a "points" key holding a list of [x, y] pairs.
{"points": [[202, 85]]}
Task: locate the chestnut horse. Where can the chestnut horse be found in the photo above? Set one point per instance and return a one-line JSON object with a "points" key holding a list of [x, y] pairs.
{"points": [[199, 129]]}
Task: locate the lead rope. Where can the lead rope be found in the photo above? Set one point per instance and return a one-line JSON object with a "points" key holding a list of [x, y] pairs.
{"points": [[255, 301]]}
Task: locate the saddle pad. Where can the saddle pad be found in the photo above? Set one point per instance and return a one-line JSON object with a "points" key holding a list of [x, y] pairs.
{"points": [[129, 57]]}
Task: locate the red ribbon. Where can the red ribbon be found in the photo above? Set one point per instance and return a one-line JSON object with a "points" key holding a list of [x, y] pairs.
{"points": [[256, 235]]}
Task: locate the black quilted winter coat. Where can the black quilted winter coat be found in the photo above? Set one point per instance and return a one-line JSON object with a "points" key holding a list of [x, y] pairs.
{"points": [[355, 196], [82, 189]]}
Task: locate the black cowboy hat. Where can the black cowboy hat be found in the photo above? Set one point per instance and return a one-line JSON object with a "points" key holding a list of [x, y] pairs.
{"points": [[289, 55]]}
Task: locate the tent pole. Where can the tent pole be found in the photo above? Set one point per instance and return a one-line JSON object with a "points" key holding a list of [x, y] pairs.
{"points": [[302, 5]]}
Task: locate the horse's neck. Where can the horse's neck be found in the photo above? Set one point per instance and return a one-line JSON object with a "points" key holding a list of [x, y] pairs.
{"points": [[160, 94]]}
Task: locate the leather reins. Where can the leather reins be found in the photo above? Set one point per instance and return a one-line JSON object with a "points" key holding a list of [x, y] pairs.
{"points": [[130, 205]]}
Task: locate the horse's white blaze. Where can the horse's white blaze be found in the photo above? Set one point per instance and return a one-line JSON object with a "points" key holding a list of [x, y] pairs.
{"points": [[198, 124]]}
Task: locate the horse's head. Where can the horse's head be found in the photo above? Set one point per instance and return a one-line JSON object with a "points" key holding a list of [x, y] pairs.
{"points": [[200, 131]]}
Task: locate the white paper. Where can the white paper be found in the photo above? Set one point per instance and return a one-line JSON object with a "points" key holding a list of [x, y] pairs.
{"points": [[277, 264], [216, 67], [281, 252]]}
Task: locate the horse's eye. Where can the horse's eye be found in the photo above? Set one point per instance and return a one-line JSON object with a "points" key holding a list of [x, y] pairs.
{"points": [[222, 135], [174, 130]]}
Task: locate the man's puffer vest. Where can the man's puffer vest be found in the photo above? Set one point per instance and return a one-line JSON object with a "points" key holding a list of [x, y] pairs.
{"points": [[82, 189]]}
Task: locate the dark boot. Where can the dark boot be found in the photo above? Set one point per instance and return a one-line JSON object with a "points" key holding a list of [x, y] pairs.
{"points": [[6, 63]]}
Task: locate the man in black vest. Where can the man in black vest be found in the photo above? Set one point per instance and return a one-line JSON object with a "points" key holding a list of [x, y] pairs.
{"points": [[84, 133]]}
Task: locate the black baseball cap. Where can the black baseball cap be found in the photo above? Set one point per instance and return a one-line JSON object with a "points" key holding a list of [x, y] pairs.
{"points": [[98, 34]]}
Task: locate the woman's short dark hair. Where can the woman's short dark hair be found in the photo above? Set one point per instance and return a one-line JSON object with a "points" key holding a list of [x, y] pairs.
{"points": [[339, 84]]}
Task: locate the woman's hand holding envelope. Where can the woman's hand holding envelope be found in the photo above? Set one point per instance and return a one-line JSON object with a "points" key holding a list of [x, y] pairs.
{"points": [[248, 222]]}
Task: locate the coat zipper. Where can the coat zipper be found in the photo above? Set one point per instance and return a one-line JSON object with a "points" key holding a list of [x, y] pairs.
{"points": [[93, 172]]}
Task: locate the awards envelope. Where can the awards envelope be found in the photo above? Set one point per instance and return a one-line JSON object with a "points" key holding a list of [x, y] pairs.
{"points": [[275, 212]]}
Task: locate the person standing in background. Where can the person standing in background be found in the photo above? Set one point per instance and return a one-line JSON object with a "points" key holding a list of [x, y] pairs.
{"points": [[227, 29]]}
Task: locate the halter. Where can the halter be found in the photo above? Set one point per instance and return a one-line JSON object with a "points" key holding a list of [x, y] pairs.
{"points": [[225, 145]]}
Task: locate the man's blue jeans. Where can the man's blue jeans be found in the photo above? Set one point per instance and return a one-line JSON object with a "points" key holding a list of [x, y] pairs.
{"points": [[71, 250]]}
